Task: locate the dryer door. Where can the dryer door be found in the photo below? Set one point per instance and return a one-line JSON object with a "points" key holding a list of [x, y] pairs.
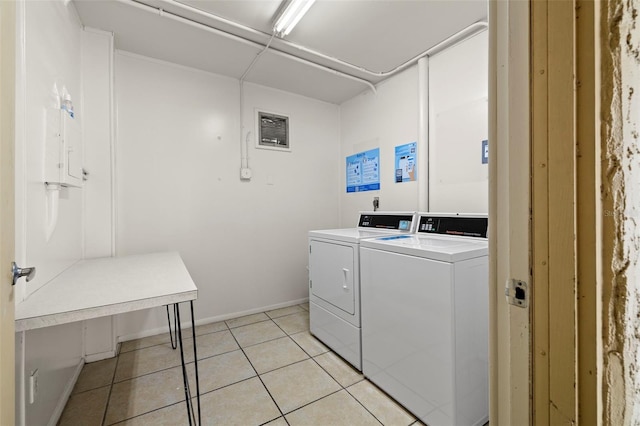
{"points": [[333, 272]]}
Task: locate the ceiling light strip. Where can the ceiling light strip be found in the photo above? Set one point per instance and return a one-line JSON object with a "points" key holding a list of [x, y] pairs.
{"points": [[291, 15]]}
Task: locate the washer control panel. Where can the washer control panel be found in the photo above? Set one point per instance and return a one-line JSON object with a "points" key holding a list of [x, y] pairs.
{"points": [[459, 225]]}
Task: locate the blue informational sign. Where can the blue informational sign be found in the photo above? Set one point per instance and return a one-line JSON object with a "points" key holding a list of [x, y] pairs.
{"points": [[363, 171], [406, 168], [485, 152]]}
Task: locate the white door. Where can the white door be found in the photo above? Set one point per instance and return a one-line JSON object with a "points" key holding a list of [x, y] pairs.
{"points": [[332, 269], [7, 237]]}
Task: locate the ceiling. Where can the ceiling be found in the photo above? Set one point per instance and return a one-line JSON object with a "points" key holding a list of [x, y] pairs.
{"points": [[339, 48]]}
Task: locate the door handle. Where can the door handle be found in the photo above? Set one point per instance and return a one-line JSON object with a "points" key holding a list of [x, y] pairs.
{"points": [[22, 272], [345, 271]]}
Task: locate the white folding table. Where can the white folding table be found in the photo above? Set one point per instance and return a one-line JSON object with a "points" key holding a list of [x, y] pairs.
{"points": [[113, 285]]}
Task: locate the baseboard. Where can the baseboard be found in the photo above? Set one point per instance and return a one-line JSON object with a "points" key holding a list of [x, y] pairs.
{"points": [[64, 397], [219, 318], [99, 356], [209, 320]]}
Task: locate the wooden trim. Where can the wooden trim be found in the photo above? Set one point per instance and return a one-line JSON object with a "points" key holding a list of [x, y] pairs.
{"points": [[562, 212], [494, 366], [540, 216], [566, 213], [509, 183], [7, 211], [589, 216]]}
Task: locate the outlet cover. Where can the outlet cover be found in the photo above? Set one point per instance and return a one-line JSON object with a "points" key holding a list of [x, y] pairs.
{"points": [[245, 173]]}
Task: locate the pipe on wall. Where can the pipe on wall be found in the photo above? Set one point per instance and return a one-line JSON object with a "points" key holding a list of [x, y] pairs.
{"points": [[244, 141], [449, 41], [423, 134], [467, 32], [163, 13]]}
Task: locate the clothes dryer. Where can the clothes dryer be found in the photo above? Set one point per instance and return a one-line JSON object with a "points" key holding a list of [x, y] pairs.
{"points": [[334, 279], [425, 318]]}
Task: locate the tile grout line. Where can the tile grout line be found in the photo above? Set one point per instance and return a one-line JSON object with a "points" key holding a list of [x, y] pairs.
{"points": [[161, 370], [145, 413], [318, 364], [239, 348], [363, 406], [251, 323], [315, 400], [347, 390], [113, 377], [344, 387], [258, 375], [259, 343], [187, 338], [260, 378], [113, 382], [364, 379], [177, 365]]}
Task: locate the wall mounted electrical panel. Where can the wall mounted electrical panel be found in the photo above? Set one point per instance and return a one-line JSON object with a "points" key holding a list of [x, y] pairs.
{"points": [[63, 149]]}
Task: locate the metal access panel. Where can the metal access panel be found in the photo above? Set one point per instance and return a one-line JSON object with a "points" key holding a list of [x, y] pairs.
{"points": [[273, 131]]}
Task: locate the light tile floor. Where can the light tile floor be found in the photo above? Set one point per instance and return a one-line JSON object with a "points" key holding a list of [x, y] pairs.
{"points": [[258, 369]]}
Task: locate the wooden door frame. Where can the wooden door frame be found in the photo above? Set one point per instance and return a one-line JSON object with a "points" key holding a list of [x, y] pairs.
{"points": [[566, 213], [557, 109], [509, 202], [7, 211]]}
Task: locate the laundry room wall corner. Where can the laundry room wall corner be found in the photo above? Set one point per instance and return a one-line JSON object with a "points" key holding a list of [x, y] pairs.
{"points": [[244, 242]]}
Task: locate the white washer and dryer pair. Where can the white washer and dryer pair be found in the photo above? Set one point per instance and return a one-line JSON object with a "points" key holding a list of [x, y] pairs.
{"points": [[334, 279], [425, 304]]}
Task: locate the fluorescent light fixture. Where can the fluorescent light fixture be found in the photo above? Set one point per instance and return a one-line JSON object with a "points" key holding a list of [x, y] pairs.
{"points": [[291, 15]]}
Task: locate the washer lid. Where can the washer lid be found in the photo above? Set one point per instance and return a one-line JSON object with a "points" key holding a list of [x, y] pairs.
{"points": [[350, 235], [371, 224], [445, 249]]}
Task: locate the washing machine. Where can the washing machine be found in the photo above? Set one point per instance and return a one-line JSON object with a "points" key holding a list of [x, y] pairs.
{"points": [[334, 279], [425, 304]]}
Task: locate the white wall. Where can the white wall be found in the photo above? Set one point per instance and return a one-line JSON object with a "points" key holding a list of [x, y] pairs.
{"points": [[52, 58], [457, 94], [49, 55], [99, 237], [458, 123], [179, 188], [383, 120], [97, 63]]}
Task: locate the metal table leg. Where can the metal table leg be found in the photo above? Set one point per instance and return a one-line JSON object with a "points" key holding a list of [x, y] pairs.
{"points": [[174, 344], [195, 357], [187, 390]]}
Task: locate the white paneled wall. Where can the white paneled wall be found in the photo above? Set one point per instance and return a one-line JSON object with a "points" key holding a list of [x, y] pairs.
{"points": [[99, 238], [179, 187], [386, 119], [51, 60], [458, 123], [97, 76], [49, 57]]}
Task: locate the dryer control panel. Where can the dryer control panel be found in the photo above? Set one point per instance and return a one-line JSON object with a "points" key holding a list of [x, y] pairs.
{"points": [[400, 222], [463, 226]]}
